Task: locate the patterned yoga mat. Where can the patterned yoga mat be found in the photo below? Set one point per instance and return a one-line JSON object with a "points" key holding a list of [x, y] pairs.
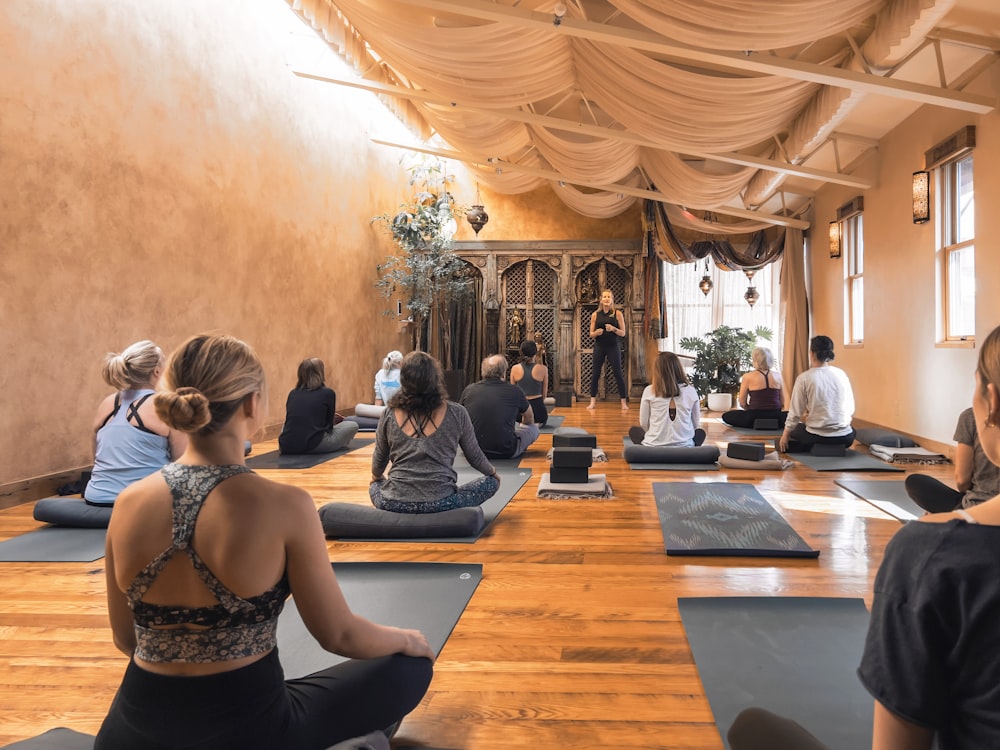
{"points": [[723, 518]]}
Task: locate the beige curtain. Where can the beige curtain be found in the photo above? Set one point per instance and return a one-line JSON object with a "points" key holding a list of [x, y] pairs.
{"points": [[794, 309]]}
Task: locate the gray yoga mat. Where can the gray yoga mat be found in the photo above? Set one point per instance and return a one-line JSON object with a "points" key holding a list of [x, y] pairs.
{"points": [[723, 519], [795, 656], [853, 461], [59, 738], [751, 432], [55, 544], [553, 423], [429, 597], [511, 480], [277, 460], [461, 462], [888, 496]]}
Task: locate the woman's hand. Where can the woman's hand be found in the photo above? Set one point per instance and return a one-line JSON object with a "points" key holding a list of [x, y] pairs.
{"points": [[415, 644]]}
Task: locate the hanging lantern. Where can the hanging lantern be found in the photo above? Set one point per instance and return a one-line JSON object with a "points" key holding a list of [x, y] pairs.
{"points": [[706, 281], [476, 215], [752, 295]]}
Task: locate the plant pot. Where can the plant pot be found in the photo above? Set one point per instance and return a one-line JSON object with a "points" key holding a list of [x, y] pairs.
{"points": [[719, 401]]}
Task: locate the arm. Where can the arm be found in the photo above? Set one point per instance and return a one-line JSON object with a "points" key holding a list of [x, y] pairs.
{"points": [[122, 623], [644, 412], [545, 380], [744, 390], [620, 330], [964, 464], [796, 408], [320, 600], [696, 413], [892, 732], [330, 401], [380, 456], [594, 333]]}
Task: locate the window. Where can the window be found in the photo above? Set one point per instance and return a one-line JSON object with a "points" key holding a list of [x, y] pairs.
{"points": [[958, 251], [852, 238], [692, 313]]}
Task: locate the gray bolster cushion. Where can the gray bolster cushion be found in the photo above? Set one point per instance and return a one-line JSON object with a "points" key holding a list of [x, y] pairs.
{"points": [[655, 454], [369, 410], [352, 521], [363, 423], [878, 436], [72, 511]]}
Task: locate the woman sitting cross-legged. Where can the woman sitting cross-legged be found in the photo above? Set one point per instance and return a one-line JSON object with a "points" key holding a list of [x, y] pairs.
{"points": [[201, 557], [669, 412], [532, 378], [420, 434], [761, 393], [130, 440], [310, 415]]}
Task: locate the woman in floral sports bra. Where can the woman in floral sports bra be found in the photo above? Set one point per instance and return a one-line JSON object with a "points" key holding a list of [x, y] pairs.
{"points": [[200, 559]]}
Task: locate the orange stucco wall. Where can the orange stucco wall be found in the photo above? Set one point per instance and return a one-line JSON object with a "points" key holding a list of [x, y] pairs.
{"points": [[163, 173]]}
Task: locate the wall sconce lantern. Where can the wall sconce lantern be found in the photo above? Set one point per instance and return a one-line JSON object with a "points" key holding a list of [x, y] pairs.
{"points": [[921, 197], [834, 239]]}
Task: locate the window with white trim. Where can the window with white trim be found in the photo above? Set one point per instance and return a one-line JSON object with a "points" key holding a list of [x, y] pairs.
{"points": [[957, 255], [690, 312], [852, 240]]}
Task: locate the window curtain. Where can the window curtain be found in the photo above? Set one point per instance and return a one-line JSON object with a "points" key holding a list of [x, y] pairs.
{"points": [[794, 308]]}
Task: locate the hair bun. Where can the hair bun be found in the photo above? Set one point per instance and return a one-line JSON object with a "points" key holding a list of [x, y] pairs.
{"points": [[186, 409]]}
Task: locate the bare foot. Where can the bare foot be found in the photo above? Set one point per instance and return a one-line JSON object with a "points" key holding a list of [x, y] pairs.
{"points": [[624, 407], [592, 405]]}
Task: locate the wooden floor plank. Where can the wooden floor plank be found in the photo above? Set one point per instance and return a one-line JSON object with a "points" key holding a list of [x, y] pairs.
{"points": [[572, 639]]}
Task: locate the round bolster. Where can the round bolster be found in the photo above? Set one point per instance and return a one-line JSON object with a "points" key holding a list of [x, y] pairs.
{"points": [[72, 511], [353, 521], [368, 410], [655, 454]]}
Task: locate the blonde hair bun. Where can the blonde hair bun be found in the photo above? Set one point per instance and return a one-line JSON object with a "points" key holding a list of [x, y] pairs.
{"points": [[186, 409]]}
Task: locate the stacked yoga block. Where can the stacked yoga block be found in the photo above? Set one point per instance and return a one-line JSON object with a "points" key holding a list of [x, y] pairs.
{"points": [[572, 457]]}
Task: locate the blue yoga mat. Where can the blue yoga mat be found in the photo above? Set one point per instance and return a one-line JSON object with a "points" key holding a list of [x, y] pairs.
{"points": [[723, 518], [794, 656]]}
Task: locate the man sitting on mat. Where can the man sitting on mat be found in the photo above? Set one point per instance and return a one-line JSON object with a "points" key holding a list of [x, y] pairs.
{"points": [[822, 403], [977, 477], [494, 406]]}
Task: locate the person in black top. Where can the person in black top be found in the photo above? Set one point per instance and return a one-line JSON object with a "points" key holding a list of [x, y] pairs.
{"points": [[310, 415], [494, 406], [532, 378], [607, 326]]}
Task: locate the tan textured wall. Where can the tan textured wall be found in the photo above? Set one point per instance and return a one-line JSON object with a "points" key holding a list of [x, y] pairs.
{"points": [[164, 174], [902, 377]]}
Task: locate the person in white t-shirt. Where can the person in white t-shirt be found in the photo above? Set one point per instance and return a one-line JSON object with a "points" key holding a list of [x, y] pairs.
{"points": [[822, 403], [669, 412]]}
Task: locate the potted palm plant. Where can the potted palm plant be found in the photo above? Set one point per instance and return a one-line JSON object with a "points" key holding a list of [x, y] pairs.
{"points": [[721, 358]]}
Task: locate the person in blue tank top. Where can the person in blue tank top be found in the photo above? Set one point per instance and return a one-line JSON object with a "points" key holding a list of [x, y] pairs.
{"points": [[130, 440]]}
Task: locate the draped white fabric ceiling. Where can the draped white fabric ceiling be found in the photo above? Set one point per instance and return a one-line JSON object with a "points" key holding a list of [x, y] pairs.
{"points": [[689, 98]]}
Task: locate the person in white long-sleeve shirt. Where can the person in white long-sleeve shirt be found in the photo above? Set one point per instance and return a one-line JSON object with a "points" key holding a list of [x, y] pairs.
{"points": [[822, 403]]}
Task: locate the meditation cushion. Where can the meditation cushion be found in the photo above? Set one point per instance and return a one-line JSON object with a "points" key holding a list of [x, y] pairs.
{"points": [[654, 454], [352, 521], [878, 436], [72, 511], [364, 423], [369, 410]]}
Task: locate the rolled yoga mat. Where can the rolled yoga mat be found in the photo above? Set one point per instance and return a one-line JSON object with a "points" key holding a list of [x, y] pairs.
{"points": [[511, 480], [888, 496], [723, 518], [678, 457], [852, 461], [429, 597], [55, 544], [278, 460], [794, 656]]}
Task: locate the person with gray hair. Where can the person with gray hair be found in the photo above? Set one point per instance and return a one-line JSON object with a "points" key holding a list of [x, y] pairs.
{"points": [[761, 393], [495, 407]]}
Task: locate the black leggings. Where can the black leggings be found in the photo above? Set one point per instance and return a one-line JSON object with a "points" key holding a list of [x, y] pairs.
{"points": [[757, 729], [613, 354], [255, 708], [931, 494], [746, 417], [800, 440], [539, 410]]}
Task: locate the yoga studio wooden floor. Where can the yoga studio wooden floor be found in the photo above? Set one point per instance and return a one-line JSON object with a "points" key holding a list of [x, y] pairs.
{"points": [[572, 639]]}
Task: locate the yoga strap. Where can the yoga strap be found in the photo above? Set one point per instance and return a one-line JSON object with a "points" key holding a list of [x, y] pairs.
{"points": [[965, 515]]}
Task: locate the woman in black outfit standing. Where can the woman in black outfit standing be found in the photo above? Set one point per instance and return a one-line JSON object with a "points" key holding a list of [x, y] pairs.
{"points": [[607, 326]]}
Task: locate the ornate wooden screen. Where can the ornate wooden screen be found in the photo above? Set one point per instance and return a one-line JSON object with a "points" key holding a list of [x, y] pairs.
{"points": [[530, 300]]}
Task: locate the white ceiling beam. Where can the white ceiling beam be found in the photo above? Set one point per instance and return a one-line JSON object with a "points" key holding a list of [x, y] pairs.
{"points": [[978, 41], [740, 62], [545, 174], [597, 131]]}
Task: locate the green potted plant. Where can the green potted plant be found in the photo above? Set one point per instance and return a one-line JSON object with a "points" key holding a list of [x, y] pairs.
{"points": [[721, 358], [425, 270]]}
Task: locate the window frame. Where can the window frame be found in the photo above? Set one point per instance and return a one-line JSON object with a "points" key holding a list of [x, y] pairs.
{"points": [[852, 242], [951, 243]]}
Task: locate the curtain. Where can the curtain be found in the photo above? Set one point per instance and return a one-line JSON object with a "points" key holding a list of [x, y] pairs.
{"points": [[794, 308]]}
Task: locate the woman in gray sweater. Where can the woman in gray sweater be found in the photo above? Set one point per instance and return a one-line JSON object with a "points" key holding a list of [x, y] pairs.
{"points": [[420, 434]]}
